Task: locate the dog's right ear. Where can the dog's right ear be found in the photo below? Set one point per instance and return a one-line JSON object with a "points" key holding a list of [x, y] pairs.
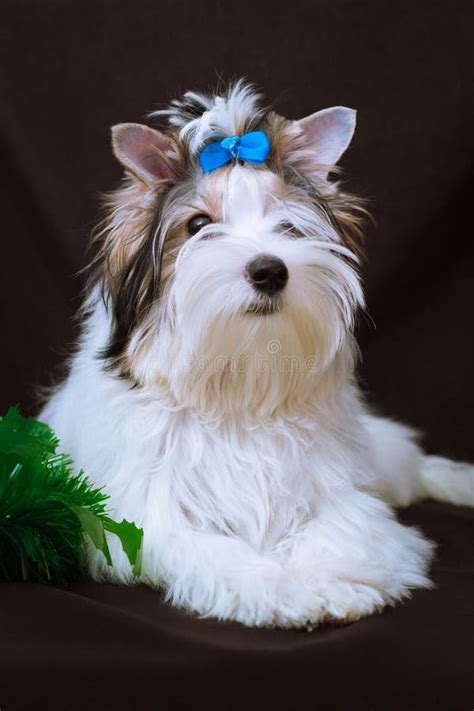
{"points": [[150, 155]]}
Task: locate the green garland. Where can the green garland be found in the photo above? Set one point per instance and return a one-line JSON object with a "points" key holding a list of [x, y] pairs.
{"points": [[45, 510]]}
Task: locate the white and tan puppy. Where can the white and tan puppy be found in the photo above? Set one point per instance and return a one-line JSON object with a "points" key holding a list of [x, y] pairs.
{"points": [[213, 391]]}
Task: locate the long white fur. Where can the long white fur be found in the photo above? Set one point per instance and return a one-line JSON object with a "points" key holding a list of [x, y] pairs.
{"points": [[247, 453]]}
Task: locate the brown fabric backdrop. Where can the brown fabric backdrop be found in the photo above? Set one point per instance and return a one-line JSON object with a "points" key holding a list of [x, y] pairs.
{"points": [[71, 69]]}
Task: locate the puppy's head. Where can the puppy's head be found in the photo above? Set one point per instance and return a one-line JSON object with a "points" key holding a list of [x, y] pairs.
{"points": [[232, 287]]}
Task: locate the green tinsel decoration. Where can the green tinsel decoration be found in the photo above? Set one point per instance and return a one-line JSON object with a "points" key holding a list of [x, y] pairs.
{"points": [[45, 510]]}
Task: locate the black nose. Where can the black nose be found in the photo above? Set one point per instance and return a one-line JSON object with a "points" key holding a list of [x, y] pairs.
{"points": [[267, 274]]}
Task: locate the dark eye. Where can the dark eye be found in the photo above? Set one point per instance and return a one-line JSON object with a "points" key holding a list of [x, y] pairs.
{"points": [[197, 223], [290, 230]]}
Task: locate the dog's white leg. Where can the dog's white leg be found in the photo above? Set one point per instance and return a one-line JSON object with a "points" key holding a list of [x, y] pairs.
{"points": [[404, 474], [212, 575], [223, 577], [357, 557]]}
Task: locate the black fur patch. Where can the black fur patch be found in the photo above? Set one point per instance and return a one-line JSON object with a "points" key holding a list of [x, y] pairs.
{"points": [[137, 287], [187, 109]]}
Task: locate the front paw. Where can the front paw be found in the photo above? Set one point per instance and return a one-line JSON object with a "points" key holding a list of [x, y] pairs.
{"points": [[293, 603], [349, 601], [258, 596]]}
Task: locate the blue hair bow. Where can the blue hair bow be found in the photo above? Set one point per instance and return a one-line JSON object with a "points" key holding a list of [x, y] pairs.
{"points": [[252, 147]]}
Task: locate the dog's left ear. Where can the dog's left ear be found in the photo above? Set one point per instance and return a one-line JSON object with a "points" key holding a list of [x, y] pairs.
{"points": [[325, 136], [153, 157]]}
